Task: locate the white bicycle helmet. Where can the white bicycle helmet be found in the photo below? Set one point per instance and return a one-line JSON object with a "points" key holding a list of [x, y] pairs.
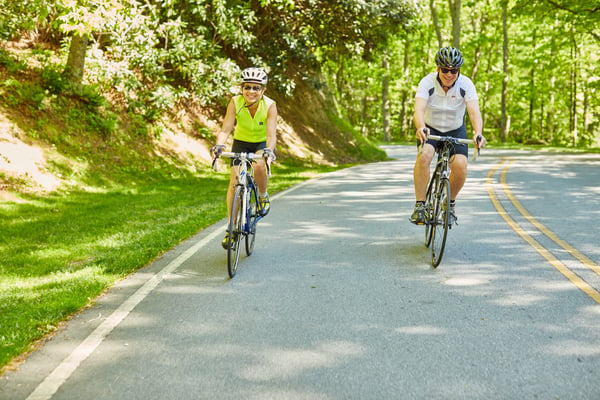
{"points": [[254, 75], [449, 57]]}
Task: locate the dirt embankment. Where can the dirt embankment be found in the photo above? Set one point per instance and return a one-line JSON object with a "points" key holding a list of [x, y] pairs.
{"points": [[305, 133]]}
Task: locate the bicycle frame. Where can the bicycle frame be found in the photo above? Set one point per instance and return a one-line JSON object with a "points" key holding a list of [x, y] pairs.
{"points": [[438, 197], [245, 210], [244, 178]]}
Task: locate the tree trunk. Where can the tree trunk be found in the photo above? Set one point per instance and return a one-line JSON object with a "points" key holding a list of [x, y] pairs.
{"points": [[455, 13], [363, 114], [573, 108], [479, 28], [532, 92], [404, 127], [385, 97], [551, 108], [436, 24], [586, 109], [551, 104], [504, 120], [76, 61]]}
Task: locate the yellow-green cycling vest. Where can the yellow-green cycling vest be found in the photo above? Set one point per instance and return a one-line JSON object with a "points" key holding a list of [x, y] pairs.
{"points": [[248, 129]]}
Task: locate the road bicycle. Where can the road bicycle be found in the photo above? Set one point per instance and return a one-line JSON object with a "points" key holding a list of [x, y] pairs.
{"points": [[246, 210], [437, 201]]}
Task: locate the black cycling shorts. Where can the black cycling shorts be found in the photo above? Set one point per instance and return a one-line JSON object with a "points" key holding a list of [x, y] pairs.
{"points": [[239, 146], [460, 133]]}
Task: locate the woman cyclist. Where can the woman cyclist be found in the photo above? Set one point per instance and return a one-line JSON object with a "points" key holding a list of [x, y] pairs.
{"points": [[252, 117], [440, 103]]}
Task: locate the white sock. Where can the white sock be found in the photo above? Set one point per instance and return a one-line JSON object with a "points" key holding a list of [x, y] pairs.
{"points": [[265, 194]]}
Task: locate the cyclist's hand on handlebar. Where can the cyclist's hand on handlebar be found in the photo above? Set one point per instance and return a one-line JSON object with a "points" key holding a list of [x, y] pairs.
{"points": [[217, 149], [269, 153], [479, 141], [422, 135]]}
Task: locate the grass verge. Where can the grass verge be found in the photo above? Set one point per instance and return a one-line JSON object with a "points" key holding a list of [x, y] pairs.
{"points": [[59, 252]]}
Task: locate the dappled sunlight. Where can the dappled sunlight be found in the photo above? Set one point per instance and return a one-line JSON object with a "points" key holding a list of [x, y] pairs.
{"points": [[20, 160], [382, 216], [279, 363], [290, 394], [319, 231], [554, 286], [591, 310], [182, 289], [523, 299], [58, 279], [471, 280], [341, 289], [574, 348], [421, 330]]}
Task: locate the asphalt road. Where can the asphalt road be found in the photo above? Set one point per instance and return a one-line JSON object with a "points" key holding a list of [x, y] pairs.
{"points": [[339, 300]]}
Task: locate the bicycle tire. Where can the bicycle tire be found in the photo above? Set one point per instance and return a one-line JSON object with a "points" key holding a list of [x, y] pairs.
{"points": [[235, 233], [252, 215], [440, 222], [429, 207]]}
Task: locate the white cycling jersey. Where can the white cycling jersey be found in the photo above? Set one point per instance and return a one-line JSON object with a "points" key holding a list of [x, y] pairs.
{"points": [[446, 111]]}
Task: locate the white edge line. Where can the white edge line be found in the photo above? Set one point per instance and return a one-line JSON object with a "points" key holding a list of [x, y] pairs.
{"points": [[46, 389]]}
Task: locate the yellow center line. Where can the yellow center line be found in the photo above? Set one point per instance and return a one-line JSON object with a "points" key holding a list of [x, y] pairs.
{"points": [[551, 235], [562, 268]]}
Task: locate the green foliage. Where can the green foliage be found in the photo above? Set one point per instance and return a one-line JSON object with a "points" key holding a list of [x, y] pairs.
{"points": [[156, 54], [53, 80], [553, 77], [12, 65]]}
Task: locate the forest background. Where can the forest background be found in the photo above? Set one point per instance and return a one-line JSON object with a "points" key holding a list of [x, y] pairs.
{"points": [[108, 110], [535, 63]]}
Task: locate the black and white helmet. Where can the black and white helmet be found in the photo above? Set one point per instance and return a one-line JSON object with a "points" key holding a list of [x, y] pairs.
{"points": [[254, 75], [449, 57]]}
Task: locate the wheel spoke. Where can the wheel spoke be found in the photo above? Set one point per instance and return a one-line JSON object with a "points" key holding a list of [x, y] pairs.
{"points": [[440, 224]]}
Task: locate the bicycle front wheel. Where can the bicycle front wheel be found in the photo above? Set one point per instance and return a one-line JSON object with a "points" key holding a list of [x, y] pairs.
{"points": [[235, 232], [429, 207], [252, 214], [440, 222]]}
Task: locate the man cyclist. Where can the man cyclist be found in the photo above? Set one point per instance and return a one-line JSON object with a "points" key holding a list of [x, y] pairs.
{"points": [[440, 103], [252, 117]]}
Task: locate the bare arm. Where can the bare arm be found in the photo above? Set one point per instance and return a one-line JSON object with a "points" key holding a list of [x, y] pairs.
{"points": [[272, 127], [476, 122], [228, 124], [419, 118]]}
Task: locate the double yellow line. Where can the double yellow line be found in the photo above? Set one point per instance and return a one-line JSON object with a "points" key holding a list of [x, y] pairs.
{"points": [[580, 283]]}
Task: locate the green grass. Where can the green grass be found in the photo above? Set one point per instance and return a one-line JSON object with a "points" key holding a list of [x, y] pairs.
{"points": [[59, 252]]}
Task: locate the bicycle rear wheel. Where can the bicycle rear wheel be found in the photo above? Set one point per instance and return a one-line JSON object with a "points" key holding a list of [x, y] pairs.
{"points": [[252, 215], [235, 233], [429, 208], [440, 222]]}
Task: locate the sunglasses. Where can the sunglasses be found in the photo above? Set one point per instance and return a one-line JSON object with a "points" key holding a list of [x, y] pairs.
{"points": [[452, 71], [255, 88]]}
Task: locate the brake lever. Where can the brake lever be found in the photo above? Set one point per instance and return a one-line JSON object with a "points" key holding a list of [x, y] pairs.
{"points": [[477, 152]]}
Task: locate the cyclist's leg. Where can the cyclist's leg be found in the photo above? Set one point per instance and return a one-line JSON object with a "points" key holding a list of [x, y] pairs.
{"points": [[458, 166], [231, 188], [421, 171], [230, 195], [458, 162], [421, 180], [262, 179], [260, 170], [236, 147]]}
